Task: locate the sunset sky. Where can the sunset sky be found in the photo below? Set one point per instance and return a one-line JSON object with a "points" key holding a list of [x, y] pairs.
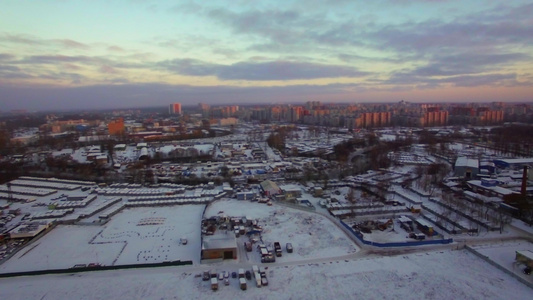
{"points": [[118, 54]]}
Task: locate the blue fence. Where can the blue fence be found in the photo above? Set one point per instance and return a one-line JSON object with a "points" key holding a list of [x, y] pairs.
{"points": [[359, 236]]}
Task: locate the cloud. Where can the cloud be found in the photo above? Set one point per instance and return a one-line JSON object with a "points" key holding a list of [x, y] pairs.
{"points": [[74, 78], [469, 63], [72, 44], [21, 39], [465, 69], [155, 94], [13, 72], [107, 69], [423, 82], [73, 67], [482, 80], [6, 56], [350, 58], [115, 49], [9, 68], [108, 96], [260, 71], [53, 59], [33, 41]]}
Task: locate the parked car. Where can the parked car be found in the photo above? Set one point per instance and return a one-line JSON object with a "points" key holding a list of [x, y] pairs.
{"points": [[289, 248], [248, 246], [248, 275], [206, 276]]}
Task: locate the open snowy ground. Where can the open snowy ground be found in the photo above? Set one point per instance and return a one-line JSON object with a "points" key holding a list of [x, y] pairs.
{"points": [[62, 248], [121, 241], [159, 239], [504, 254], [433, 275], [312, 235]]}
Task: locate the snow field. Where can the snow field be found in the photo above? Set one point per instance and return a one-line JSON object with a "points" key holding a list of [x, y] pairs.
{"points": [[432, 275], [120, 241]]}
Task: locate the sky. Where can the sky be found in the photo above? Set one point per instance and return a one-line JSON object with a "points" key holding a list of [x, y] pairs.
{"points": [[61, 55]]}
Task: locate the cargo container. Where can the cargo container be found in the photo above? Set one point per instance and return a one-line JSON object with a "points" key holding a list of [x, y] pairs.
{"points": [[257, 279]]}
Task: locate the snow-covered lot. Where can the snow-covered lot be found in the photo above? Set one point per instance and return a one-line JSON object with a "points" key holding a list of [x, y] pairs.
{"points": [[432, 275], [504, 254], [159, 239], [137, 235], [312, 235], [62, 248]]}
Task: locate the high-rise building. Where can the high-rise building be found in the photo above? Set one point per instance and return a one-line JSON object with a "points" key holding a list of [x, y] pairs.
{"points": [[174, 109], [116, 127], [204, 108]]}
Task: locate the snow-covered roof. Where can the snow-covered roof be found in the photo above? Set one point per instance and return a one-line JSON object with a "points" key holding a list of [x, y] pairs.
{"points": [[464, 161], [516, 161], [219, 242]]}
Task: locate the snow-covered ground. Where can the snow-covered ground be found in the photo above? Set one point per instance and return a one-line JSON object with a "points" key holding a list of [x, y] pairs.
{"points": [[504, 254], [312, 235], [121, 241], [432, 275], [159, 240], [62, 248]]}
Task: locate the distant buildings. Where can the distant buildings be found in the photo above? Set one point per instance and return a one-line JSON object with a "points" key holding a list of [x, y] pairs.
{"points": [[116, 127], [373, 119], [174, 109]]}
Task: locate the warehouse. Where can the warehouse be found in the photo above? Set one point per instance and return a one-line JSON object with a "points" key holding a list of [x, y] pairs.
{"points": [[219, 246], [467, 168]]}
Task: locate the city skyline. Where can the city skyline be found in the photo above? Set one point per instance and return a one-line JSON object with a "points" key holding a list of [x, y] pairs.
{"points": [[74, 54]]}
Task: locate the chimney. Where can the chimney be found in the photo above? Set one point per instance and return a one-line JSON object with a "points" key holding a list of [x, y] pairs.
{"points": [[524, 181]]}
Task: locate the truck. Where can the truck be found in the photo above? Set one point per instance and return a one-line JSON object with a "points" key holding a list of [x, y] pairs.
{"points": [[268, 258], [214, 283], [248, 246], [206, 276], [277, 249], [241, 273], [257, 279], [242, 283]]}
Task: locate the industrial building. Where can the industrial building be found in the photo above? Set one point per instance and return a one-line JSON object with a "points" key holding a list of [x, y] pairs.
{"points": [[219, 246], [467, 168]]}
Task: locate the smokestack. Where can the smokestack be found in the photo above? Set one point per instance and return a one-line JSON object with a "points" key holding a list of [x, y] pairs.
{"points": [[524, 181]]}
